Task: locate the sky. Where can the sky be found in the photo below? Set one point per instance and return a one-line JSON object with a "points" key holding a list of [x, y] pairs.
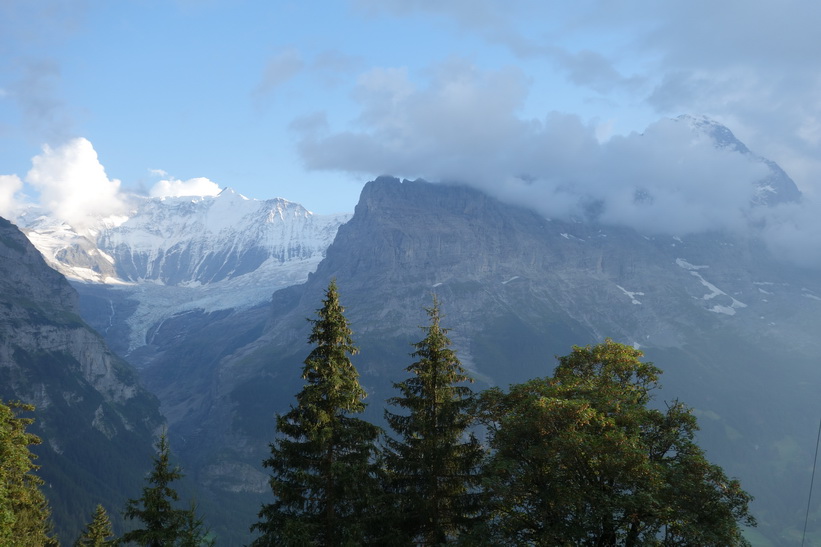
{"points": [[554, 105]]}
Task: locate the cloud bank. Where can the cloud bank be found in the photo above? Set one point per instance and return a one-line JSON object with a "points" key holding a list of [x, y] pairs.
{"points": [[750, 64], [463, 125]]}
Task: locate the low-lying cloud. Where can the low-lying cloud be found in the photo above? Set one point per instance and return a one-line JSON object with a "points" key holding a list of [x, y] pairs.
{"points": [[464, 126]]}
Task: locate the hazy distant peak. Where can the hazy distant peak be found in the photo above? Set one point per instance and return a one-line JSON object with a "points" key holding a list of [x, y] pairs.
{"points": [[229, 192], [720, 134], [777, 187]]}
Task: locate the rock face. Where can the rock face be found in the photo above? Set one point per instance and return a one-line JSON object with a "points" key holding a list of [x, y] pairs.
{"points": [[95, 420], [729, 325]]}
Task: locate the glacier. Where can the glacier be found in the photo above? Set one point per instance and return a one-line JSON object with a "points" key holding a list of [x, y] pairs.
{"points": [[178, 254]]}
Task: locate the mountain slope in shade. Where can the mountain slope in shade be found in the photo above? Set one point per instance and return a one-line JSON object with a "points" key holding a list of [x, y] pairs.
{"points": [[96, 421]]}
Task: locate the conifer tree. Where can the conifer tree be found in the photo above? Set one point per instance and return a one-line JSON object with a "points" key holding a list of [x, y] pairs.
{"points": [[163, 524], [98, 532], [25, 516], [434, 462], [194, 532], [323, 475]]}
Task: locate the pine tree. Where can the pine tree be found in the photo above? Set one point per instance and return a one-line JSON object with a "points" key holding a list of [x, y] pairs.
{"points": [[25, 516], [322, 463], [98, 532], [434, 462], [163, 524]]}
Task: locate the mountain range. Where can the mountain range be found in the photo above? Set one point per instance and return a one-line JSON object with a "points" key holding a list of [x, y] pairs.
{"points": [[177, 254], [208, 298]]}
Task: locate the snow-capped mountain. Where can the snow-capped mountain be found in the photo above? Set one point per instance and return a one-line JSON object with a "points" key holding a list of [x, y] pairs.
{"points": [[176, 254], [777, 187]]}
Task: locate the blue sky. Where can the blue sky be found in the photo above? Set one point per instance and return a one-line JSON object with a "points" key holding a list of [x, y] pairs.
{"points": [[309, 100]]}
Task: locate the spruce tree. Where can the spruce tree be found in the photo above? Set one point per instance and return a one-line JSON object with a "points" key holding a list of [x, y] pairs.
{"points": [[323, 475], [434, 461], [98, 532], [163, 523], [25, 516]]}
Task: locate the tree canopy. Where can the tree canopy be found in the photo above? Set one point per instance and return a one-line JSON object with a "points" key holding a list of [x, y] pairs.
{"points": [[580, 459]]}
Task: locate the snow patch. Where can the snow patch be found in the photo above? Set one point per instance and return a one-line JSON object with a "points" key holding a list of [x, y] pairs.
{"points": [[687, 266], [631, 295], [811, 296], [726, 310], [714, 291], [570, 236]]}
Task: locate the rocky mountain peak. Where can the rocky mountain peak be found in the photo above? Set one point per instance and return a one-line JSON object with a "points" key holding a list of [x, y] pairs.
{"points": [[776, 187]]}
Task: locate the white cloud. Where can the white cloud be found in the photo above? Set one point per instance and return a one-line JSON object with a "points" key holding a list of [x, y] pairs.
{"points": [[464, 126], [751, 64], [792, 232], [10, 185], [171, 187], [73, 185]]}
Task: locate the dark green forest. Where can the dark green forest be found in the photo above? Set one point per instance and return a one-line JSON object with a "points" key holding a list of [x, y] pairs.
{"points": [[583, 457]]}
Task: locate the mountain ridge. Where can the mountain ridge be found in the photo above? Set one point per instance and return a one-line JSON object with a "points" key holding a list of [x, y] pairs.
{"points": [[182, 254], [96, 420]]}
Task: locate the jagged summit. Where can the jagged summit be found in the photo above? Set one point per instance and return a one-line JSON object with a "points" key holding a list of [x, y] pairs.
{"points": [[177, 254], [187, 239], [777, 187], [230, 192], [720, 134]]}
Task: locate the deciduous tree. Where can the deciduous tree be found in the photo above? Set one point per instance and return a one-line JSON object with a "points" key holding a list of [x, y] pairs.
{"points": [[580, 459]]}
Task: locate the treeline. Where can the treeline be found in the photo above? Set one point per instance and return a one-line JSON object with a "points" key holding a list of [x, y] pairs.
{"points": [[578, 458]]}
